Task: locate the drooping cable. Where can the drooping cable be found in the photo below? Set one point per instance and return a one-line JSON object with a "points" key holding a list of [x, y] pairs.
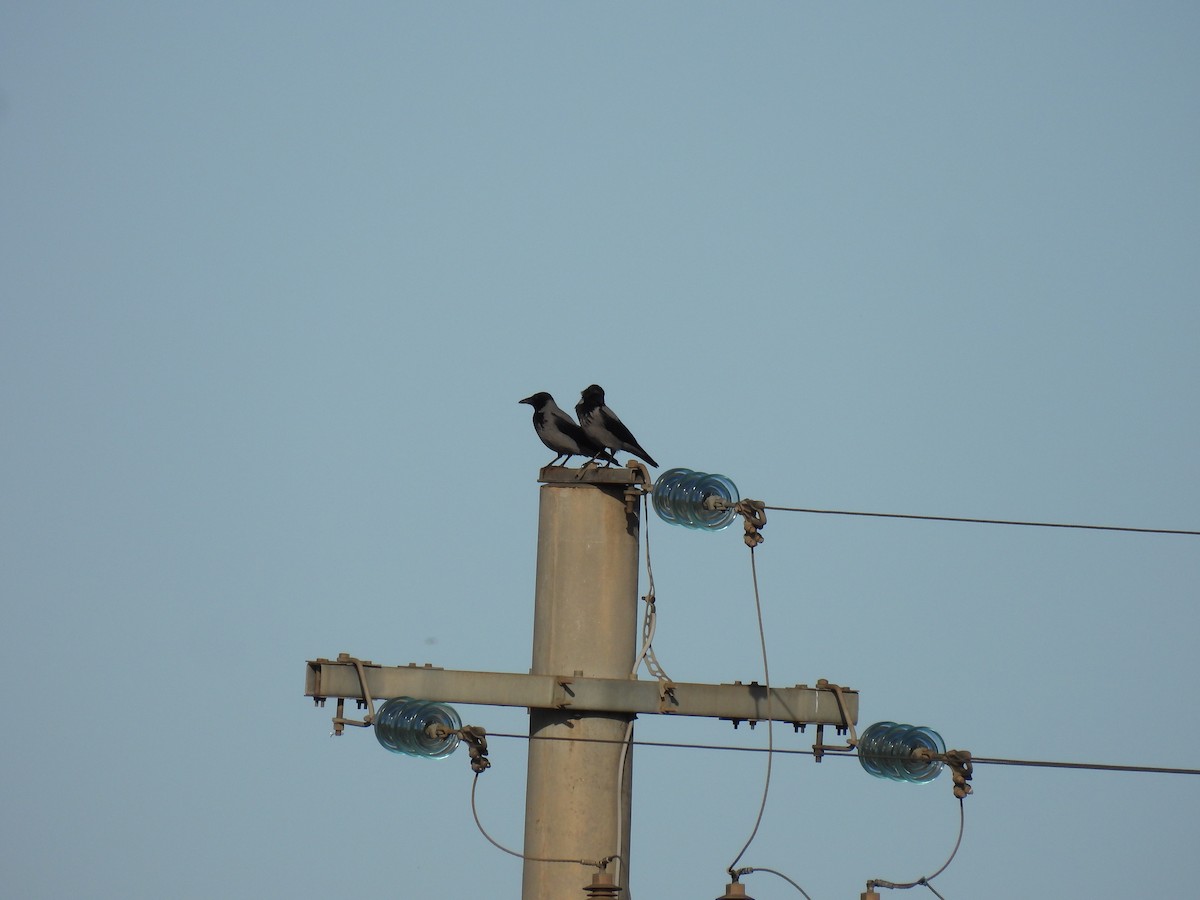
{"points": [[924, 881], [762, 637], [599, 864], [880, 515], [491, 840]]}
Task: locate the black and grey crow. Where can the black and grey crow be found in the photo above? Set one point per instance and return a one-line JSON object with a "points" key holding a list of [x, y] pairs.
{"points": [[559, 432], [602, 426]]}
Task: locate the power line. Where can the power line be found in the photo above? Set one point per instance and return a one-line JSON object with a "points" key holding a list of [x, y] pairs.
{"points": [[880, 515], [1095, 767], [976, 760]]}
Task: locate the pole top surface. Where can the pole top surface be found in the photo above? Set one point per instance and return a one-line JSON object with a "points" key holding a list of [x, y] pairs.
{"points": [[634, 473]]}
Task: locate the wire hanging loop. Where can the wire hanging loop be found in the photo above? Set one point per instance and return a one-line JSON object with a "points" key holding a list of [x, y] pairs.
{"points": [[600, 864], [924, 880]]}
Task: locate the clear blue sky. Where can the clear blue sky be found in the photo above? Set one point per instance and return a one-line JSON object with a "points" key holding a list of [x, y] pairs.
{"points": [[274, 276]]}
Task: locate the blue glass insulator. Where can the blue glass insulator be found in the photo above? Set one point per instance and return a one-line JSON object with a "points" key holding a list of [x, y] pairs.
{"points": [[885, 750], [679, 496], [400, 725]]}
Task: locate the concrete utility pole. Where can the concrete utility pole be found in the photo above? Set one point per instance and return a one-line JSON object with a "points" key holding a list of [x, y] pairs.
{"points": [[585, 623], [581, 691]]}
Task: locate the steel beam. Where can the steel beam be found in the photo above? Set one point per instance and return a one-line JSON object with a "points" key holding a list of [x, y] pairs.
{"points": [[747, 702]]}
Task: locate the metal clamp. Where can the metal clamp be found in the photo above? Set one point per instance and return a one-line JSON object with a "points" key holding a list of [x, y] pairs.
{"points": [[959, 761], [340, 720], [820, 748], [476, 740]]}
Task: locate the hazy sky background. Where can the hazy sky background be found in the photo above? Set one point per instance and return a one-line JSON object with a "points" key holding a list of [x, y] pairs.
{"points": [[275, 275]]}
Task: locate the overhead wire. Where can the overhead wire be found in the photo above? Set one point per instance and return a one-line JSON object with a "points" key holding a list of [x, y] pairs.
{"points": [[981, 760], [1094, 767], [978, 521]]}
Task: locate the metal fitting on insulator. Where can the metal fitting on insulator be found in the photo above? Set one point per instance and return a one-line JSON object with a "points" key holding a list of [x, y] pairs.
{"points": [[755, 516], [476, 740], [961, 769]]}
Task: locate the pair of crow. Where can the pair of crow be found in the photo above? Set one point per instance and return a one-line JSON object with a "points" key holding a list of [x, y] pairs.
{"points": [[598, 432]]}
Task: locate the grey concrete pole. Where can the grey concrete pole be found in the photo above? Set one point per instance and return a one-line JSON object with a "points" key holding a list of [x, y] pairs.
{"points": [[585, 623]]}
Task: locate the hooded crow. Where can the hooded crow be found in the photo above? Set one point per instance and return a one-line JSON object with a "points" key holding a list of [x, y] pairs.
{"points": [[602, 426], [559, 432]]}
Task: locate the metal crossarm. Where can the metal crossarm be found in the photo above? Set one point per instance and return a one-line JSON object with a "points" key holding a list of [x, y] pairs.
{"points": [[799, 705]]}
